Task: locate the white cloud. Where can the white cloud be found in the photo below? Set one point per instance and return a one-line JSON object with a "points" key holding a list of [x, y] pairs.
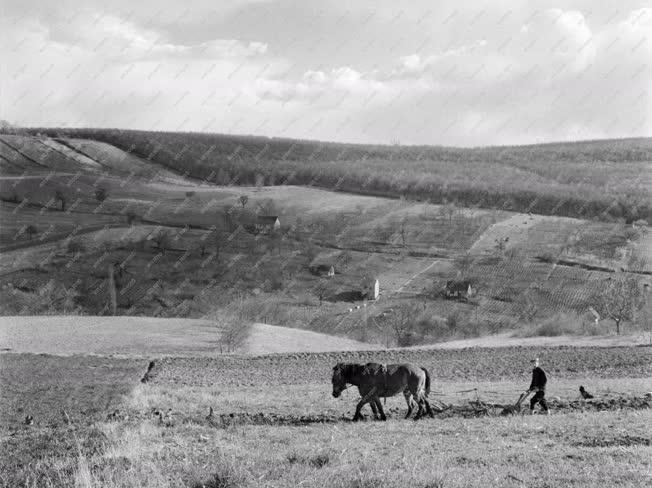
{"points": [[122, 40], [479, 76]]}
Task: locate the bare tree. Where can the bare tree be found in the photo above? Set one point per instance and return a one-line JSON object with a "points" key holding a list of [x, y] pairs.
{"points": [[243, 200], [234, 328], [131, 217], [59, 195], [31, 231], [320, 291], [402, 323], [403, 231], [619, 300], [162, 240], [101, 194]]}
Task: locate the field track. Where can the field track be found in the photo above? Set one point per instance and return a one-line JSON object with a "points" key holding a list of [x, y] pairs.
{"points": [[473, 409]]}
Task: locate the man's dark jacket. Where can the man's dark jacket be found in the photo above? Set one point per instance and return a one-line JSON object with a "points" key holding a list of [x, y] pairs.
{"points": [[539, 379]]}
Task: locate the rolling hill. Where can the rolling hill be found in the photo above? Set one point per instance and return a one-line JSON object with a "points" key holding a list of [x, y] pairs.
{"points": [[75, 202], [590, 179]]}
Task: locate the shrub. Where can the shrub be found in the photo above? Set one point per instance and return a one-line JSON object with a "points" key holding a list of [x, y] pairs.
{"points": [[101, 194], [131, 217], [75, 246], [31, 231], [234, 328], [559, 324]]}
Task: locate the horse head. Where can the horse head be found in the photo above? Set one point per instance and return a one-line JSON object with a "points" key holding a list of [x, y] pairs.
{"points": [[339, 379]]}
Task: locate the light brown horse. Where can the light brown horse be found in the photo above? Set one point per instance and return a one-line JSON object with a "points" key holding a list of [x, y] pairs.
{"points": [[376, 380]]}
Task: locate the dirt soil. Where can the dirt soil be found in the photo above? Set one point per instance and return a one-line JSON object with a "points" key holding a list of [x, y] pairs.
{"points": [[472, 364], [468, 410]]}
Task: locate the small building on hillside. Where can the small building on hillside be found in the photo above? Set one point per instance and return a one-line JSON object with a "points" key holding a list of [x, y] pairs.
{"points": [[322, 269], [458, 290], [370, 288], [325, 264], [266, 224]]}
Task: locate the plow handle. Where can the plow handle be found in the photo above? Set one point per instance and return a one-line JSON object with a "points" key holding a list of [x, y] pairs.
{"points": [[523, 396]]}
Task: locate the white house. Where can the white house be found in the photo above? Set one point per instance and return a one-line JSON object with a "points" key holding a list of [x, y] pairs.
{"points": [[371, 288]]}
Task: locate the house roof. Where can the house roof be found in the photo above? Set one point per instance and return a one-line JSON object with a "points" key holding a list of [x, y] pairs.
{"points": [[266, 219], [454, 285]]}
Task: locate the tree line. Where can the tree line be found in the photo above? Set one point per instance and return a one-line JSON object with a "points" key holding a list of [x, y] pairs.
{"points": [[550, 179]]}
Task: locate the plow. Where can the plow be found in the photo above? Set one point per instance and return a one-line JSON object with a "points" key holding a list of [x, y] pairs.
{"points": [[475, 408]]}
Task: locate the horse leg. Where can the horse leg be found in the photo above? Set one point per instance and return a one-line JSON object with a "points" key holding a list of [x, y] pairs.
{"points": [[408, 399], [420, 401], [369, 396], [374, 408], [358, 408], [428, 408], [380, 408]]}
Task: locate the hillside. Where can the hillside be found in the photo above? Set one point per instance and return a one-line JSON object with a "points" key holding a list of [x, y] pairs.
{"points": [[74, 208], [591, 179]]}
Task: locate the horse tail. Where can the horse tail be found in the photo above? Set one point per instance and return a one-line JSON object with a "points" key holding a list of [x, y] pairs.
{"points": [[427, 392]]}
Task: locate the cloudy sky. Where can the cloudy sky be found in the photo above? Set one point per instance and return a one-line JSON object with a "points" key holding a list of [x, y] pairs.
{"points": [[420, 72]]}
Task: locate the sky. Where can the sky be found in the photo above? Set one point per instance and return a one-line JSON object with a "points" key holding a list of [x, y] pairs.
{"points": [[454, 73]]}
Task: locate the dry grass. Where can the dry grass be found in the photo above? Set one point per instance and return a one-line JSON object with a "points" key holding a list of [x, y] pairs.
{"points": [[139, 336], [189, 450], [452, 453]]}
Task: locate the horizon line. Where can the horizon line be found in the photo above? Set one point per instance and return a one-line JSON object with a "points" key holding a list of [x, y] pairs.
{"points": [[320, 141]]}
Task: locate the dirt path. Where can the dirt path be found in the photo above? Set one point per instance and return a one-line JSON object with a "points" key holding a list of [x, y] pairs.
{"points": [[400, 288]]}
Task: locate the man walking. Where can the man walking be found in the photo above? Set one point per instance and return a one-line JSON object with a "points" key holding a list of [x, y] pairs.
{"points": [[538, 385]]}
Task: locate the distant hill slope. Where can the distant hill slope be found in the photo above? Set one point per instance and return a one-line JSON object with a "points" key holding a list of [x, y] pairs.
{"points": [[31, 155], [604, 179]]}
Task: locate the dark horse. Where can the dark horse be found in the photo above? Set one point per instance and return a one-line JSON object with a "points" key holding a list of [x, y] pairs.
{"points": [[384, 380]]}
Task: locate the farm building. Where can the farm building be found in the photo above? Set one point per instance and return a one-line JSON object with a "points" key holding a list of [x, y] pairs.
{"points": [[326, 264], [458, 290], [322, 269], [370, 288], [265, 224]]}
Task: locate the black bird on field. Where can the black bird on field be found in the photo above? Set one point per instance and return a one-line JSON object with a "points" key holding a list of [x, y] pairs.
{"points": [[585, 394], [29, 420]]}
